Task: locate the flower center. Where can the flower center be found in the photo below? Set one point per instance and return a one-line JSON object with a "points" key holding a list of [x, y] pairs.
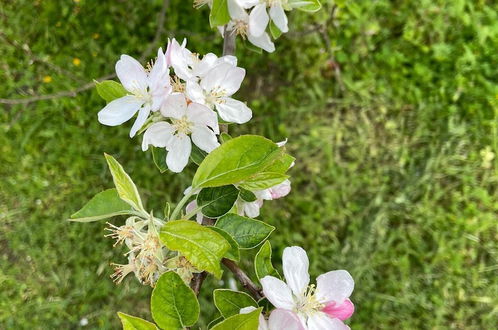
{"points": [[177, 85], [183, 125], [199, 3], [241, 28], [215, 96], [308, 304]]}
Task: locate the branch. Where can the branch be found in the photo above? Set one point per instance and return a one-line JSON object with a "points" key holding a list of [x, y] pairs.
{"points": [[91, 84], [243, 279]]}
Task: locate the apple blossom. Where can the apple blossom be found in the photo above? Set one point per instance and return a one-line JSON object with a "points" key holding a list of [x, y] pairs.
{"points": [[323, 307], [259, 18], [251, 209], [191, 122], [279, 319], [147, 91]]}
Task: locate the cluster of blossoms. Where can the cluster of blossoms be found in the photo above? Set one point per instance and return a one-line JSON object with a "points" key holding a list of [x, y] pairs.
{"points": [[179, 98], [250, 19], [300, 306]]}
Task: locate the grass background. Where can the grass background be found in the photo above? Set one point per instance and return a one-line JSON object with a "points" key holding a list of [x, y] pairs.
{"points": [[390, 108]]}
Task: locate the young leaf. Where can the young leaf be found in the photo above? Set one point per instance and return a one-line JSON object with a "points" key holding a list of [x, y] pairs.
{"points": [[159, 157], [274, 30], [247, 195], [105, 204], [248, 321], [203, 247], [230, 302], [173, 304], [135, 323], [248, 233], [219, 13], [224, 137], [233, 252], [310, 6], [235, 161], [262, 262], [110, 90], [263, 180], [217, 201], [126, 188]]}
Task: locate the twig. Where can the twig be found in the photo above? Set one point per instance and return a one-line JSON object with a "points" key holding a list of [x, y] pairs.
{"points": [[197, 281], [243, 279], [91, 84], [228, 41]]}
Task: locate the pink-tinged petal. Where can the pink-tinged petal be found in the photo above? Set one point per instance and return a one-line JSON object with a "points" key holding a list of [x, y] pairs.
{"points": [[143, 114], [334, 286], [258, 20], [280, 190], [158, 135], [295, 264], [263, 41], [339, 311], [320, 321], [278, 17], [191, 207], [179, 149], [131, 74], [207, 63], [159, 73], [277, 292], [204, 138], [179, 59], [120, 110], [250, 209], [201, 115], [234, 111], [175, 106], [283, 319]]}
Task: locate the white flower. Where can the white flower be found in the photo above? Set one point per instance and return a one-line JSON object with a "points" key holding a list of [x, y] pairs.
{"points": [[193, 121], [242, 25], [323, 307], [215, 90], [259, 18], [147, 91], [280, 319], [251, 209]]}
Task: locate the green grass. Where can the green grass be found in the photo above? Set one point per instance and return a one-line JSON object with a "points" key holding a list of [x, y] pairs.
{"points": [[389, 182]]}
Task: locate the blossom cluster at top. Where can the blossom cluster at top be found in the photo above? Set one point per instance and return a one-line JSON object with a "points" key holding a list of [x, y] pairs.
{"points": [[179, 98]]}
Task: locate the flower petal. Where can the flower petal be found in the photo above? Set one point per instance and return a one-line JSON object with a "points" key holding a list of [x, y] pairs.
{"points": [[334, 286], [179, 148], [277, 292], [280, 190], [201, 115], [194, 92], [175, 106], [258, 20], [233, 80], [204, 138], [248, 3], [207, 63], [234, 111], [191, 207], [263, 41], [295, 264], [284, 319], [320, 321], [339, 311], [120, 110], [278, 17], [143, 114], [179, 57], [215, 77], [131, 74], [158, 135], [237, 13]]}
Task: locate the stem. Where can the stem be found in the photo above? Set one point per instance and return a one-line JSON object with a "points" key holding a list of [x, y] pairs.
{"points": [[180, 204], [243, 279], [229, 41]]}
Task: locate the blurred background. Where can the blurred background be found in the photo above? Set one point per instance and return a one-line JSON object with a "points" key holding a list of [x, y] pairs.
{"points": [[390, 108]]}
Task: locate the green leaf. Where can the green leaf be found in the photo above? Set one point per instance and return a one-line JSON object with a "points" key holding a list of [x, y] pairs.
{"points": [[126, 188], [219, 13], [217, 201], [203, 247], [248, 233], [262, 262], [235, 161], [247, 195], [197, 155], [252, 47], [105, 204], [263, 180], [167, 210], [309, 6], [274, 30], [173, 304], [224, 137], [215, 321], [159, 157], [281, 165], [110, 90], [230, 302], [135, 323], [233, 252], [248, 321]]}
